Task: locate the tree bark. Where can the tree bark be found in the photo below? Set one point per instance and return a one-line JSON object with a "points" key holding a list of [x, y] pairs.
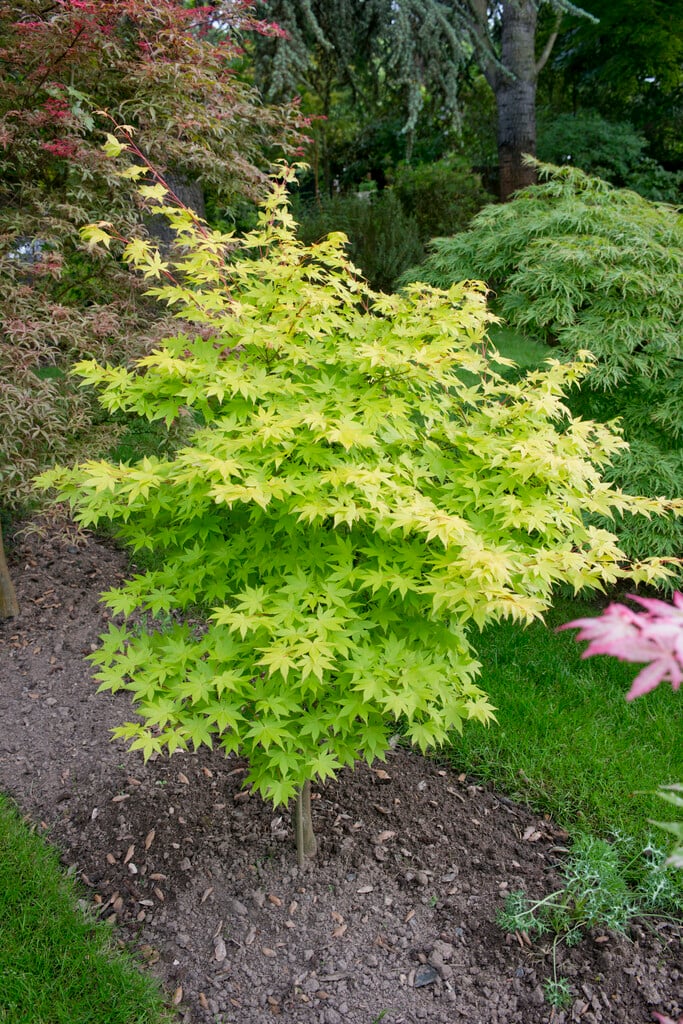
{"points": [[9, 606], [306, 843], [190, 194], [516, 96]]}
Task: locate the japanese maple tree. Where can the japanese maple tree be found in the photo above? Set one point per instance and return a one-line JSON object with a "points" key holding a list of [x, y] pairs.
{"points": [[360, 488]]}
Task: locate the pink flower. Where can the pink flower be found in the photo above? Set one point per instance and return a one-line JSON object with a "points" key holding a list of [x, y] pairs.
{"points": [[653, 637]]}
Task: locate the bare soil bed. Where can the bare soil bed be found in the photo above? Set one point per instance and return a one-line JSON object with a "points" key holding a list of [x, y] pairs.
{"points": [[396, 921]]}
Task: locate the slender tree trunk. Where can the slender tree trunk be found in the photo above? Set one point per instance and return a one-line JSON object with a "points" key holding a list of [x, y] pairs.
{"points": [[516, 95], [306, 844], [190, 193], [9, 606]]}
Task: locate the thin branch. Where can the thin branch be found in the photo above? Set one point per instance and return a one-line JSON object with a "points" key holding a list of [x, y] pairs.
{"points": [[482, 40], [547, 49]]}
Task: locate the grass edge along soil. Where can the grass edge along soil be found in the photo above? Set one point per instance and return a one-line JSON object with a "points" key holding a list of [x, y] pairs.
{"points": [[56, 959]]}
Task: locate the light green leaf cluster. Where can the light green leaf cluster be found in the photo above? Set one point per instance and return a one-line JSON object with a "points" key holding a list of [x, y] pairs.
{"points": [[361, 487]]}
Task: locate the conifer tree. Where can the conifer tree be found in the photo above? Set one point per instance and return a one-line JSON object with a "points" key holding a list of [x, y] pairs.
{"points": [[418, 43]]}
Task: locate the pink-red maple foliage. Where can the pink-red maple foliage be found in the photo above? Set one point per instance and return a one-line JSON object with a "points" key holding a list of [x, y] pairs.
{"points": [[653, 637], [68, 69]]}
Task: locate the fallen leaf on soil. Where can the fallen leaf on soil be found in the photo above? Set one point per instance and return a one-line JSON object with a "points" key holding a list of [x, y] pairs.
{"points": [[182, 777], [364, 888], [381, 774], [111, 859], [336, 916], [220, 952], [206, 894], [531, 835], [267, 951], [409, 916], [383, 836], [149, 839], [129, 853], [203, 1001], [275, 900], [177, 995], [339, 931], [120, 798], [150, 954]]}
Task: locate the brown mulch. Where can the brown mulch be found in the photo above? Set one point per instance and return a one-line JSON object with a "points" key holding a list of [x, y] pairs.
{"points": [[396, 920]]}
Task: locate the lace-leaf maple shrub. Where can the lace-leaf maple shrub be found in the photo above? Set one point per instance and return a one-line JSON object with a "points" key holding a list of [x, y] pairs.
{"points": [[360, 489]]}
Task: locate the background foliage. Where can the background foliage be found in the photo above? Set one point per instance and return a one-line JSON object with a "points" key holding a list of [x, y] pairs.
{"points": [[606, 149]]}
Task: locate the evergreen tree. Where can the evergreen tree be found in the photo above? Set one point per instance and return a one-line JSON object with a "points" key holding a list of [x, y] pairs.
{"points": [[412, 44]]}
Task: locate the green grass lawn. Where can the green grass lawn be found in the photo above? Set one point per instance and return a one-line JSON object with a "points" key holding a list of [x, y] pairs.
{"points": [[527, 353], [566, 740], [57, 965]]}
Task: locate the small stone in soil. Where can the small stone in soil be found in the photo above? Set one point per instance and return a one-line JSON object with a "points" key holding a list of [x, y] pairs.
{"points": [[425, 975]]}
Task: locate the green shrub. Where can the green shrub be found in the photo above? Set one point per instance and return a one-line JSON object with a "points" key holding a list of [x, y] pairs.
{"points": [[383, 239], [442, 197], [612, 150], [583, 266]]}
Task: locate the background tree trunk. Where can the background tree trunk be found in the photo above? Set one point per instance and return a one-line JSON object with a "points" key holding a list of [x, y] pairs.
{"points": [[9, 606], [190, 193], [516, 95]]}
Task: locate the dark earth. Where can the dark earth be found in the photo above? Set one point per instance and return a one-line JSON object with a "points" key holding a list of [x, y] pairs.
{"points": [[395, 922]]}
